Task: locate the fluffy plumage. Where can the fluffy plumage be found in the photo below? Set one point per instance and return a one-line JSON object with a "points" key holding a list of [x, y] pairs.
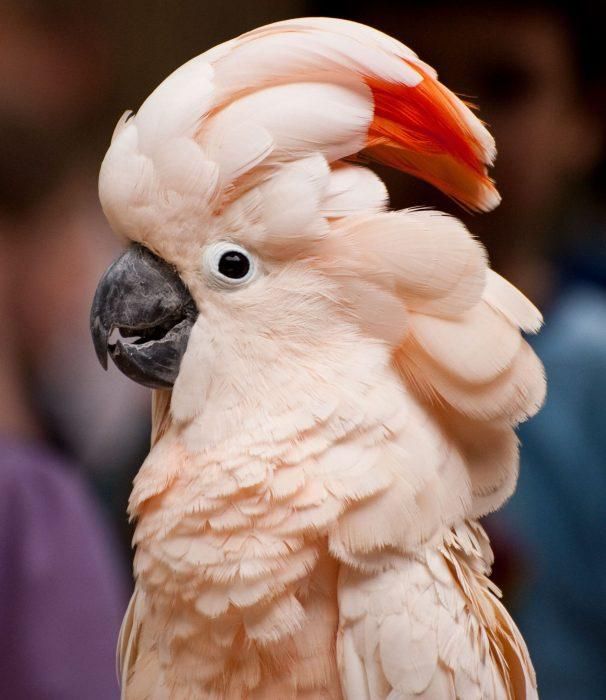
{"points": [[306, 515]]}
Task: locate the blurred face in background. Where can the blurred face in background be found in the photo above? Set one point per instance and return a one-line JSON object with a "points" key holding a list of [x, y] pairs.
{"points": [[51, 80], [52, 77], [48, 83]]}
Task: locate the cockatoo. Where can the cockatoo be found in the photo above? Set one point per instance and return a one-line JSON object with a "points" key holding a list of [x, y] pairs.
{"points": [[336, 385]]}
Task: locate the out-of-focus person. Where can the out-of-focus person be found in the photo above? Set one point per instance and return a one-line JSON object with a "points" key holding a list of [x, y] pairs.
{"points": [[534, 68], [63, 583]]}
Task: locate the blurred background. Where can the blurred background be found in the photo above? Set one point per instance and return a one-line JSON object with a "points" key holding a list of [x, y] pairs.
{"points": [[72, 436]]}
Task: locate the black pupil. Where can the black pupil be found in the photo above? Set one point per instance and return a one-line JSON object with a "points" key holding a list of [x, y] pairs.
{"points": [[234, 265]]}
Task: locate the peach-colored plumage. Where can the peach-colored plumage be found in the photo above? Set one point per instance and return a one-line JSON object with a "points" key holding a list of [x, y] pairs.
{"points": [[307, 515]]}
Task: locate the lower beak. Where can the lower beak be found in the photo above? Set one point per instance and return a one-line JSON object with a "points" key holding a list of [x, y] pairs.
{"points": [[143, 299]]}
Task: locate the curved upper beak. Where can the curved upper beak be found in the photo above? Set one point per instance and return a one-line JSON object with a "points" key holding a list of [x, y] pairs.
{"points": [[144, 298]]}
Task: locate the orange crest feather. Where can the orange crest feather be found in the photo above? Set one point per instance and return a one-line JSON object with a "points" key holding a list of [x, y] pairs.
{"points": [[422, 131]]}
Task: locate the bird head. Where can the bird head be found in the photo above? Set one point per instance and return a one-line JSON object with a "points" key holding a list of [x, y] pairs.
{"points": [[257, 245]]}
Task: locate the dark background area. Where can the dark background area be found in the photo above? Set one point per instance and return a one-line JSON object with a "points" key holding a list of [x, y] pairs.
{"points": [[72, 437]]}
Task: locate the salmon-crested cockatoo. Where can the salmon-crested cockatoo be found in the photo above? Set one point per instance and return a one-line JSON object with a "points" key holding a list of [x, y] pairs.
{"points": [[336, 385]]}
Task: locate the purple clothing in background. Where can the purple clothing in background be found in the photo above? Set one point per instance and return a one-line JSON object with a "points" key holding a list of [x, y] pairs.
{"points": [[62, 590]]}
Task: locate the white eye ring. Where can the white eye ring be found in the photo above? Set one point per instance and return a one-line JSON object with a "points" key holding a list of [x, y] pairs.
{"points": [[229, 270]]}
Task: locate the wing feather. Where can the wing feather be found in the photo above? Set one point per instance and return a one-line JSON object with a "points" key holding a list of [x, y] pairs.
{"points": [[429, 627]]}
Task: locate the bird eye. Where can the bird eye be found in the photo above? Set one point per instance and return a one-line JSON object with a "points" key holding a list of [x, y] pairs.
{"points": [[234, 264], [229, 263]]}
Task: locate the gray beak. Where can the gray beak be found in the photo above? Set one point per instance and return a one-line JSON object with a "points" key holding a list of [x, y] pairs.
{"points": [[144, 298]]}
